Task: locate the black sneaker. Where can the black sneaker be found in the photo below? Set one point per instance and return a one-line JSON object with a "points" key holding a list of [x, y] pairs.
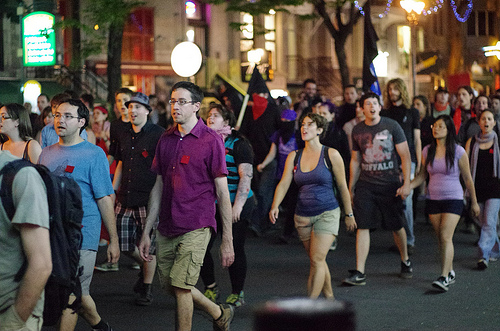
{"points": [[441, 283], [451, 277], [482, 264], [356, 278], [406, 270]]}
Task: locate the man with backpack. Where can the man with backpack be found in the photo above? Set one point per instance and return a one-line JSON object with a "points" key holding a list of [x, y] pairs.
{"points": [[24, 239], [87, 164]]}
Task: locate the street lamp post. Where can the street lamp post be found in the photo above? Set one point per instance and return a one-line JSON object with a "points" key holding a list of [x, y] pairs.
{"points": [[413, 9]]}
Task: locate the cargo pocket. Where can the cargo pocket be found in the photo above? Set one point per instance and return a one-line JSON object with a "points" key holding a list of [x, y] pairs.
{"points": [[193, 271]]}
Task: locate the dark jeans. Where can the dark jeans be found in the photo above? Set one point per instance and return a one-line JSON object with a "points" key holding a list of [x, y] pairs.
{"points": [[263, 185], [238, 270]]}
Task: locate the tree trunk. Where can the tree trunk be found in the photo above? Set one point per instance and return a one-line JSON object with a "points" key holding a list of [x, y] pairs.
{"points": [[342, 59], [114, 60]]}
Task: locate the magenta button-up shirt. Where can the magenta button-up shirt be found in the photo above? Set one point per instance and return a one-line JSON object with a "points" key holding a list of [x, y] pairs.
{"points": [[189, 166]]}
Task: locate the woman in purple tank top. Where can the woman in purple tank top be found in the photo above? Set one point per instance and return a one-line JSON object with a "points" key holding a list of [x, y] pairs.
{"points": [[444, 162], [316, 220]]}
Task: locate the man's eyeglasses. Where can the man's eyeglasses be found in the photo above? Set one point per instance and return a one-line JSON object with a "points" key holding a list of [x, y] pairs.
{"points": [[66, 117], [181, 102]]}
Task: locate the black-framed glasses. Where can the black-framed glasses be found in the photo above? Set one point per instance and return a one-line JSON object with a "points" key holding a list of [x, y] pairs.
{"points": [[181, 102], [66, 117], [3, 118]]}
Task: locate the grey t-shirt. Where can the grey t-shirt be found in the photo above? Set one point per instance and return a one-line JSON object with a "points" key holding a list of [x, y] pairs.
{"points": [[379, 164], [30, 200]]}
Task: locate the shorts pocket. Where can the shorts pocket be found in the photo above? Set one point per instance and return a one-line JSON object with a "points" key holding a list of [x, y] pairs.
{"points": [[194, 267]]}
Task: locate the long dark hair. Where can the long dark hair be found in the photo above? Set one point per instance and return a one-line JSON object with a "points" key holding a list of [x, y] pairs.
{"points": [[450, 143], [18, 112]]}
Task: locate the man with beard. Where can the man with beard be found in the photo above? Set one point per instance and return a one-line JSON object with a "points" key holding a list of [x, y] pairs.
{"points": [[398, 102]]}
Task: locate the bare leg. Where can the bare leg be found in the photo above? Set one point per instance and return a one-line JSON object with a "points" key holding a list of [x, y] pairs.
{"points": [[149, 267], [319, 246], [184, 308], [68, 319], [203, 303], [400, 240], [88, 311], [444, 225], [362, 248]]}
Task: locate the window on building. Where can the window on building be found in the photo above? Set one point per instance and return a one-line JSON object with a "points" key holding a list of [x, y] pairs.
{"points": [[138, 36], [491, 23], [481, 23]]}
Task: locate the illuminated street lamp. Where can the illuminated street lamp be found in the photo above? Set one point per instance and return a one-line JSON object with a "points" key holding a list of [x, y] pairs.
{"points": [[413, 9], [492, 50]]}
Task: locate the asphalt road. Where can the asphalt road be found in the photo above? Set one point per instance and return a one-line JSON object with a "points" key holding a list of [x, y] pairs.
{"points": [[386, 302]]}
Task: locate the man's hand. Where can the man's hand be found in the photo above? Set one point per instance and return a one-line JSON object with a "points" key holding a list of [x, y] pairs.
{"points": [[113, 252], [144, 246], [227, 253]]}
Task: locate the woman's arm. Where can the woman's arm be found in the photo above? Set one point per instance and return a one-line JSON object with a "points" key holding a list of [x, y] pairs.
{"points": [[34, 151], [245, 171], [467, 147], [463, 164], [269, 158], [282, 187], [421, 175], [339, 173]]}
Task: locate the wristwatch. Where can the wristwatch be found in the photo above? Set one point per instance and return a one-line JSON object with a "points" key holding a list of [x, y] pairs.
{"points": [[349, 215]]}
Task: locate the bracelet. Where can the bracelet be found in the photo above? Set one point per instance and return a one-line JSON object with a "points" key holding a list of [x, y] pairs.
{"points": [[349, 215]]}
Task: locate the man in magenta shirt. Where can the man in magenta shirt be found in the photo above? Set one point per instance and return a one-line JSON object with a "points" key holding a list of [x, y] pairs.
{"points": [[191, 176]]}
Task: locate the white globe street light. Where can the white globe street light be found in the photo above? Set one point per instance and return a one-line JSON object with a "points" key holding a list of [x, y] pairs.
{"points": [[186, 59]]}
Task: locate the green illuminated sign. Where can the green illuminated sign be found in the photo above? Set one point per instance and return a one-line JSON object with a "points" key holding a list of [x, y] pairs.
{"points": [[39, 39]]}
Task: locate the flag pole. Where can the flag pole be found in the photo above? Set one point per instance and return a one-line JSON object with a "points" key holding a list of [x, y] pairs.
{"points": [[242, 111]]}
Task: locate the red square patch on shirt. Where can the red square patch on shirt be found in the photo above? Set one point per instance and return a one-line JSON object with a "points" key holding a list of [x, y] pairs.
{"points": [[145, 153], [69, 169], [185, 159]]}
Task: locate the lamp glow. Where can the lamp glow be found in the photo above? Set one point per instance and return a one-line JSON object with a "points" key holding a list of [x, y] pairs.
{"points": [[186, 59]]}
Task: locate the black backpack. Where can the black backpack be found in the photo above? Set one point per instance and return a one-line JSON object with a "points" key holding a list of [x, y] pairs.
{"points": [[336, 191], [65, 221]]}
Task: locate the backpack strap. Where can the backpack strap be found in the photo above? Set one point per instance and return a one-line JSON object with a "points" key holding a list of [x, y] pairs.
{"points": [[298, 153], [326, 156]]}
